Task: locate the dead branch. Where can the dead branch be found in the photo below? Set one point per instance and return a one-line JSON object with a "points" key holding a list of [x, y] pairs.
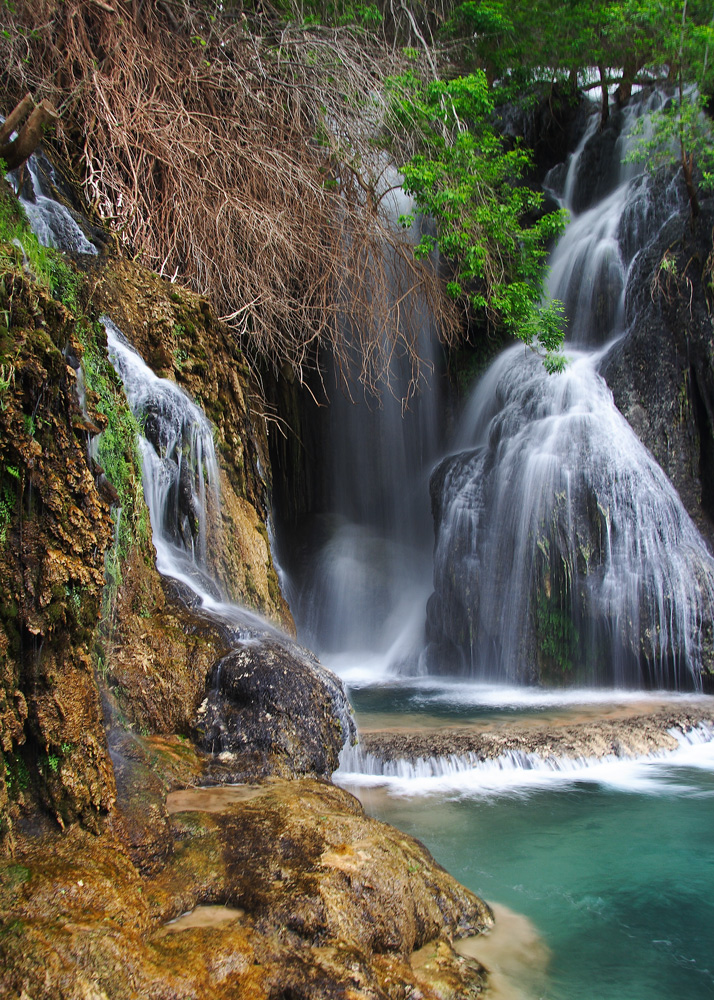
{"points": [[16, 151], [238, 157]]}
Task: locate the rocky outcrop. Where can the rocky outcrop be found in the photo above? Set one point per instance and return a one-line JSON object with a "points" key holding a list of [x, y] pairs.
{"points": [[662, 371], [634, 732], [322, 901], [272, 708]]}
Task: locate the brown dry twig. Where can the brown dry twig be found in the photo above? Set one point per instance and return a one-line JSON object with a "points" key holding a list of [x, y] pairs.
{"points": [[239, 159]]}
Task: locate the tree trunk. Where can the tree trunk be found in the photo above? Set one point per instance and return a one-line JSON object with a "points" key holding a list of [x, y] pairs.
{"points": [[24, 144], [605, 112], [19, 112]]}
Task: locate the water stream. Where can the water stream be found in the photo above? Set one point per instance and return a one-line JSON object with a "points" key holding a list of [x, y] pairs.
{"points": [[562, 554], [617, 876], [181, 484]]}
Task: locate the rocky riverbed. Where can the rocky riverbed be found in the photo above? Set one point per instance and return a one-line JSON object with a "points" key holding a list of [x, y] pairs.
{"points": [[627, 730]]}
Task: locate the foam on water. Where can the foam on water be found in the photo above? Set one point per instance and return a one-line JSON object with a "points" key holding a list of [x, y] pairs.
{"points": [[519, 773]]}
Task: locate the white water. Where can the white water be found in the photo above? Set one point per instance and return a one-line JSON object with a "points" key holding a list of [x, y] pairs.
{"points": [[562, 548], [368, 575], [52, 222], [519, 773], [181, 483]]}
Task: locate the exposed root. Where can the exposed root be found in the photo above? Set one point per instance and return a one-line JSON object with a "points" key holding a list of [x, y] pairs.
{"points": [[237, 158]]}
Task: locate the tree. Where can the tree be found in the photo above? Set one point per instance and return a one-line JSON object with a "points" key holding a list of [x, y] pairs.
{"points": [[681, 132], [462, 175]]}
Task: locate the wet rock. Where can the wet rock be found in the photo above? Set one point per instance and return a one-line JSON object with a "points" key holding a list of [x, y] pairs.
{"points": [[326, 903], [272, 708], [662, 371], [638, 733], [54, 531]]}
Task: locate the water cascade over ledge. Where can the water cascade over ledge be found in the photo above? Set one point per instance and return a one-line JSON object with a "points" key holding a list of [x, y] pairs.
{"points": [[181, 485], [563, 553]]}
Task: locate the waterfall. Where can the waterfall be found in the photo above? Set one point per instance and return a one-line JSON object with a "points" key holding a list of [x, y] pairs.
{"points": [[360, 601], [180, 475], [563, 553], [516, 772], [181, 483], [53, 223]]}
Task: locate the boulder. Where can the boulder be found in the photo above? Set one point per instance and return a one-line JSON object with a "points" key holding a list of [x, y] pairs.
{"points": [[272, 708]]}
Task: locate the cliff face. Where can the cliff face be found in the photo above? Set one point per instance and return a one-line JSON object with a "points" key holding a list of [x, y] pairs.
{"points": [[59, 621]]}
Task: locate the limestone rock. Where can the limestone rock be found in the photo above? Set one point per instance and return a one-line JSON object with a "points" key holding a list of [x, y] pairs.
{"points": [[272, 708]]}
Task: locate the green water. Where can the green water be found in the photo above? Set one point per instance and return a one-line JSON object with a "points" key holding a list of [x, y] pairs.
{"points": [[620, 885], [616, 872]]}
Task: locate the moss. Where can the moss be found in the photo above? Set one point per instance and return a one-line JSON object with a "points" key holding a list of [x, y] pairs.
{"points": [[17, 774], [556, 636], [13, 875], [118, 455], [20, 249]]}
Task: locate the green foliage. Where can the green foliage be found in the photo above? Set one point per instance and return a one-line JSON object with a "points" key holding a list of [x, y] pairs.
{"points": [[19, 247], [118, 452], [7, 378], [470, 183], [17, 774], [7, 506], [556, 635], [8, 498], [681, 133], [554, 40]]}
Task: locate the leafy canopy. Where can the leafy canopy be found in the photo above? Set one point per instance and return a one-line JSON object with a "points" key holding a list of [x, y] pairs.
{"points": [[463, 176]]}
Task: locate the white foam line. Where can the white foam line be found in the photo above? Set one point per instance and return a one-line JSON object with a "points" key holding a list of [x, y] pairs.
{"points": [[518, 773]]}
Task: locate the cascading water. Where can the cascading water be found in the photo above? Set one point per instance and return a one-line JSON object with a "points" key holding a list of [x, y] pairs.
{"points": [[181, 486], [52, 222], [179, 465], [361, 600], [181, 482], [563, 552]]}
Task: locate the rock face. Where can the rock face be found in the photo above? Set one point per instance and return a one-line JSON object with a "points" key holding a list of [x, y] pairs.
{"points": [[57, 539], [662, 372], [278, 709], [54, 530], [636, 732], [326, 902]]}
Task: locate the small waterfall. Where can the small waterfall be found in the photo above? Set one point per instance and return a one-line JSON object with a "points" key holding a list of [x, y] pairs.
{"points": [[563, 552], [589, 266], [362, 597], [517, 771], [181, 484], [179, 465], [52, 222]]}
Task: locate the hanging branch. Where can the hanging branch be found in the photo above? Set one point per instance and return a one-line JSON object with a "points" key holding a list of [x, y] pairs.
{"points": [[243, 163], [14, 152]]}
